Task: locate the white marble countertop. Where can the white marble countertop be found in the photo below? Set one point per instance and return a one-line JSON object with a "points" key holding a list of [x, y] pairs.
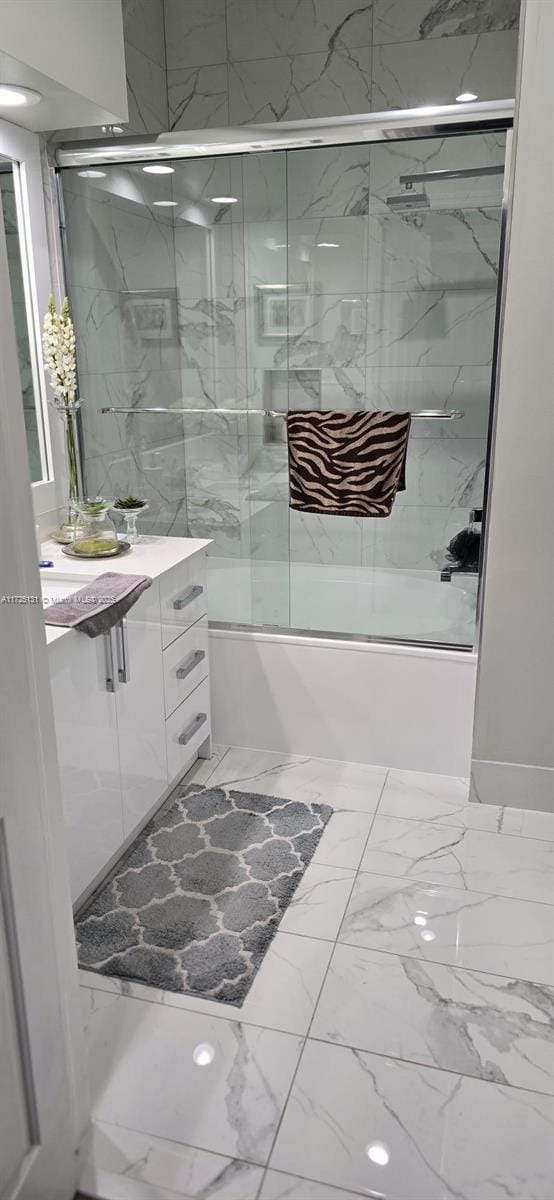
{"points": [[151, 556]]}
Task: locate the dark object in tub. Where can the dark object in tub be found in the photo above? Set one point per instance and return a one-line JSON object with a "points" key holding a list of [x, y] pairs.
{"points": [[463, 550]]}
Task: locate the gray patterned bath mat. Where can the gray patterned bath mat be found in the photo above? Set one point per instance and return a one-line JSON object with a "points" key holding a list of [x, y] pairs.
{"points": [[194, 903]]}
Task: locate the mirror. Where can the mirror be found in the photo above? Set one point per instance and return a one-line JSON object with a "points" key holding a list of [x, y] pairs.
{"points": [[32, 405]]}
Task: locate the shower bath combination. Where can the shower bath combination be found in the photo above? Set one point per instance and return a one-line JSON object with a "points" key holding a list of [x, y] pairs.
{"points": [[276, 268]]}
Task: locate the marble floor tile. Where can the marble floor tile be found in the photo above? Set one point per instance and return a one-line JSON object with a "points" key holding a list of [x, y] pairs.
{"points": [[353, 786], [463, 858], [278, 1186], [467, 929], [344, 839], [283, 995], [435, 1135], [319, 902], [418, 796], [481, 1025], [204, 767], [144, 1074], [138, 1165]]}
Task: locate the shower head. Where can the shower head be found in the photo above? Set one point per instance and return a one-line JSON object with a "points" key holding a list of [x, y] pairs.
{"points": [[408, 201]]}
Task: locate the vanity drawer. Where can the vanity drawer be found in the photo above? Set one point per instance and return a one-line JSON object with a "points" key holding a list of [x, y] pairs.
{"points": [[183, 597], [187, 728], [185, 664]]}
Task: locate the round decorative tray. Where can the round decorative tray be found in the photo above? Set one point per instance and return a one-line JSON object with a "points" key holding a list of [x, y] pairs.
{"points": [[121, 548]]}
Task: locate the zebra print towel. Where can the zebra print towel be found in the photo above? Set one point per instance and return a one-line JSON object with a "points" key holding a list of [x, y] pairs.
{"points": [[347, 463]]}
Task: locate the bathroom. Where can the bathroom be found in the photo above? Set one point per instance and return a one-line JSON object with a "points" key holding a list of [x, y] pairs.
{"points": [[288, 809]]}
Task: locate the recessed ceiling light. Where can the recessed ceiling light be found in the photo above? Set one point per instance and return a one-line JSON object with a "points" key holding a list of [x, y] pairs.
{"points": [[165, 203], [328, 245], [12, 96], [224, 200], [378, 1153], [428, 935], [159, 169], [92, 173], [465, 97]]}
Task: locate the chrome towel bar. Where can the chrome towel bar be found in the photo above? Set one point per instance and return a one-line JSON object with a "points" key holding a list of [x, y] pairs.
{"points": [[426, 414]]}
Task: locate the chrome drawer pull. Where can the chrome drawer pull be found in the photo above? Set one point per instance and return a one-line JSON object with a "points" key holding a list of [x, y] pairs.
{"points": [[192, 729], [111, 680], [182, 601], [194, 661], [122, 643]]}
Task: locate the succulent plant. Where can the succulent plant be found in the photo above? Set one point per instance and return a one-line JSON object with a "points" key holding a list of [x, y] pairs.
{"points": [[93, 508], [129, 502]]}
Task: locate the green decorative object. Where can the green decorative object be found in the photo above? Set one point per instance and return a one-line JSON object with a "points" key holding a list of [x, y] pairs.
{"points": [[129, 502], [130, 507], [94, 533]]}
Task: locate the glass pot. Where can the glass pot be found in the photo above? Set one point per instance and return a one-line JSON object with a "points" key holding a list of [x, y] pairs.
{"points": [[95, 535]]}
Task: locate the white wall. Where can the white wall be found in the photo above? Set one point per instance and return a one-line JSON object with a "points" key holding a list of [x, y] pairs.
{"points": [[74, 45], [513, 747]]}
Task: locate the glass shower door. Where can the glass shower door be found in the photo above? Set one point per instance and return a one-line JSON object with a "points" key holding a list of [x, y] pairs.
{"points": [[231, 289], [397, 245]]}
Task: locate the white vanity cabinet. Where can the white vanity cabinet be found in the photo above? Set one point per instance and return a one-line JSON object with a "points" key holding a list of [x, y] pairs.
{"points": [[132, 707], [88, 754], [139, 701]]}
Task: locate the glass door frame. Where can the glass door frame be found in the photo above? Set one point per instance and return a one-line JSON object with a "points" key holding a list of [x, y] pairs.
{"points": [[432, 121]]}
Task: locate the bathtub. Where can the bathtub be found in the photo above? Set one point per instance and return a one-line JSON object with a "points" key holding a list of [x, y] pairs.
{"points": [[391, 704], [376, 602]]}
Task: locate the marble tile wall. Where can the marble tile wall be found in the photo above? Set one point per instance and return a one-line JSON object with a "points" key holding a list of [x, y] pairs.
{"points": [[240, 61], [119, 245], [386, 307], [144, 37]]}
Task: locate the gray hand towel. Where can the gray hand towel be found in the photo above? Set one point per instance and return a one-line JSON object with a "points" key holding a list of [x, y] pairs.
{"points": [[347, 462], [98, 605]]}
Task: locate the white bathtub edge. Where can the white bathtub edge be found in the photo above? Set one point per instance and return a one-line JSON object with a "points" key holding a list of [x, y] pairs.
{"points": [[317, 641], [388, 705]]}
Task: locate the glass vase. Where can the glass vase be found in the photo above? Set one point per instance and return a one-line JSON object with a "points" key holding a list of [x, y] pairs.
{"points": [[68, 410], [94, 531], [131, 533]]}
